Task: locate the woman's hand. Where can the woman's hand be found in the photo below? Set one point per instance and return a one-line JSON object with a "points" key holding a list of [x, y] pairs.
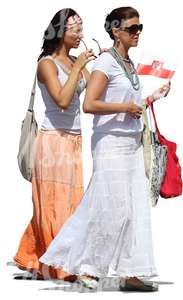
{"points": [[161, 92], [103, 50], [83, 59], [134, 110]]}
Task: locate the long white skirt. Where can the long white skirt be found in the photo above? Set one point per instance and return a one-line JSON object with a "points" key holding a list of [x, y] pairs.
{"points": [[111, 228]]}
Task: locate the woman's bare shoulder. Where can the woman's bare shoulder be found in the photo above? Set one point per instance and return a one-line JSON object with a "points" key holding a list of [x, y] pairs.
{"points": [[45, 67]]}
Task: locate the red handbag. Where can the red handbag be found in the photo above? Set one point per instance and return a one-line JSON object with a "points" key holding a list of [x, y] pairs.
{"points": [[172, 182]]}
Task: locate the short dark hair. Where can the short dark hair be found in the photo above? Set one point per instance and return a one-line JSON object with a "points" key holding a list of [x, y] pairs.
{"points": [[116, 16], [54, 33]]}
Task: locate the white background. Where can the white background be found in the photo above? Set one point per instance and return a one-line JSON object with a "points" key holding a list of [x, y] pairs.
{"points": [[22, 27]]}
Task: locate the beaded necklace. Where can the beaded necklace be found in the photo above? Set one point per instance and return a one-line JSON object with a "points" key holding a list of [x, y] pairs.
{"points": [[131, 75]]}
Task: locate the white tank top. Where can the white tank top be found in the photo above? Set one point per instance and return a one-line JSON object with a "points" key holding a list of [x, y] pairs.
{"points": [[55, 117]]}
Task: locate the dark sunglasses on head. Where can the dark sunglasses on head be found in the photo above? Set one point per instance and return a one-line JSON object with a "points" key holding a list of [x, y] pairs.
{"points": [[133, 29]]}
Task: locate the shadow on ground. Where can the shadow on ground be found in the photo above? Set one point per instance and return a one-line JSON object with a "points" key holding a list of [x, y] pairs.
{"points": [[107, 284]]}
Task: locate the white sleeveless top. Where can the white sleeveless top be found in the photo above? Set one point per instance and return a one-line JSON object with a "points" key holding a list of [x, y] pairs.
{"points": [[55, 117], [118, 90]]}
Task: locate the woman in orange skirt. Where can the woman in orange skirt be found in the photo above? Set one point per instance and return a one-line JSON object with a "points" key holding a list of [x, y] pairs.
{"points": [[57, 181]]}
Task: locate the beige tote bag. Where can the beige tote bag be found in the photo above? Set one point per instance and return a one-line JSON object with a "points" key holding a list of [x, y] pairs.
{"points": [[27, 138]]}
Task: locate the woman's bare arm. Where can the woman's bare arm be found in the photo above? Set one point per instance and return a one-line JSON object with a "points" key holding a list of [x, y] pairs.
{"points": [[92, 103], [47, 74], [62, 95]]}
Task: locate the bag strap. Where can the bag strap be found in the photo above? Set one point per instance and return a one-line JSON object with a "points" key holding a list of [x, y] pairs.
{"points": [[144, 113], [150, 104], [151, 127], [32, 97]]}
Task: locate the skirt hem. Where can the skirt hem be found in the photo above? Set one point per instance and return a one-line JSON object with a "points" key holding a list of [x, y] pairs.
{"points": [[146, 272]]}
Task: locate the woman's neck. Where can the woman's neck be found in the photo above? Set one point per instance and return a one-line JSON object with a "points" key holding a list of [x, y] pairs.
{"points": [[62, 52], [122, 50]]}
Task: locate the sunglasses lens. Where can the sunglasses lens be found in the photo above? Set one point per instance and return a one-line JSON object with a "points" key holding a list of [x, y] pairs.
{"points": [[140, 27], [135, 28]]}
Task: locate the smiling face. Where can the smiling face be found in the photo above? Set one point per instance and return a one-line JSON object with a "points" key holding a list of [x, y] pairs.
{"points": [[128, 33], [74, 32]]}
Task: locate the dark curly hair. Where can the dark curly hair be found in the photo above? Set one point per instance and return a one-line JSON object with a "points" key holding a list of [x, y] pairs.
{"points": [[116, 16], [54, 34]]}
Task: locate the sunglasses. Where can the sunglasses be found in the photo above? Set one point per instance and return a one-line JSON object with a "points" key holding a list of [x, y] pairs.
{"points": [[99, 47], [133, 29]]}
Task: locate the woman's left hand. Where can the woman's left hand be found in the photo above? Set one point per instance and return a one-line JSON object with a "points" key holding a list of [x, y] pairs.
{"points": [[161, 92]]}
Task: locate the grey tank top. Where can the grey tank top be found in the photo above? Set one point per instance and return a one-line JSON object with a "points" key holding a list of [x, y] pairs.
{"points": [[55, 117]]}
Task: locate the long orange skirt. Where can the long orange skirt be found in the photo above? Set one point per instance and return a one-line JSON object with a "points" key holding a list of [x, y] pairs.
{"points": [[57, 188]]}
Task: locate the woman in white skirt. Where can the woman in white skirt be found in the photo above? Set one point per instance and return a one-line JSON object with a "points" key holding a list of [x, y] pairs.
{"points": [[111, 228]]}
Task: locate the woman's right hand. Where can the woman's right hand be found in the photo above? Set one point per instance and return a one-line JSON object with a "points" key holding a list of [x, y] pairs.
{"points": [[83, 59], [134, 110]]}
